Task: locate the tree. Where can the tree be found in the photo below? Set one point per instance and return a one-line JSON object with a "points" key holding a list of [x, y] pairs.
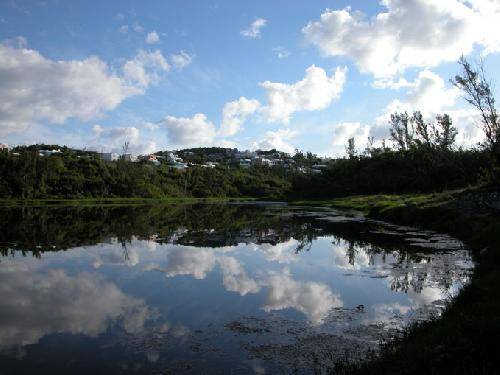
{"points": [[472, 81], [401, 130], [445, 133], [351, 148], [423, 131]]}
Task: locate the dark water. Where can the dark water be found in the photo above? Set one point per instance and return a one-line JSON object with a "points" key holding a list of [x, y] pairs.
{"points": [[211, 288]]}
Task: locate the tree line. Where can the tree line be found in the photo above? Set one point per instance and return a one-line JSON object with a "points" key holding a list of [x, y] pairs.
{"points": [[424, 159]]}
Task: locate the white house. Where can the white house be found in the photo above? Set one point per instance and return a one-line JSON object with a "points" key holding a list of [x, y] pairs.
{"points": [[109, 156], [48, 152]]}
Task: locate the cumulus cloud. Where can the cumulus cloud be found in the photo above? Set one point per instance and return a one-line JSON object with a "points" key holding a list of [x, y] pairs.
{"points": [[196, 130], [34, 88], [254, 30], [235, 278], [235, 113], [86, 304], [312, 299], [283, 252], [145, 69], [152, 38], [315, 91], [196, 262], [345, 130], [276, 140], [181, 60], [429, 94], [113, 139], [409, 33]]}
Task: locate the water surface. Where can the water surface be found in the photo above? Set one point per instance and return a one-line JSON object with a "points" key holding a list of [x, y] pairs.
{"points": [[212, 288]]}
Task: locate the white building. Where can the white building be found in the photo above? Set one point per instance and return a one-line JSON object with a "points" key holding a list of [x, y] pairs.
{"points": [[109, 156], [48, 152], [4, 146], [129, 157]]}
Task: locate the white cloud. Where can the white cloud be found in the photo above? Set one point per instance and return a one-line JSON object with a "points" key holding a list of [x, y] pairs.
{"points": [[281, 52], [181, 60], [315, 91], [197, 130], [345, 130], [253, 31], [410, 33], [145, 68], [196, 262], [34, 88], [150, 125], [123, 29], [86, 304], [312, 299], [235, 278], [283, 252], [152, 37], [235, 113], [277, 140], [113, 139], [429, 94]]}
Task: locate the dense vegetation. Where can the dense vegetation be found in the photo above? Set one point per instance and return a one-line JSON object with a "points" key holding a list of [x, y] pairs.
{"points": [[25, 174]]}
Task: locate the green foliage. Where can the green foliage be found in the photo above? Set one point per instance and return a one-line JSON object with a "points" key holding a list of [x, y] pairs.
{"points": [[24, 174], [391, 172]]}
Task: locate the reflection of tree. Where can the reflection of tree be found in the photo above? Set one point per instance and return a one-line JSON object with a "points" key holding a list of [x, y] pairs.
{"points": [[406, 269], [35, 230]]}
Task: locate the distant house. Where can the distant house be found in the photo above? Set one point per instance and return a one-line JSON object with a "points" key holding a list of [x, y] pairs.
{"points": [[265, 161], [153, 159], [245, 163], [109, 156], [129, 157], [49, 152], [210, 164]]}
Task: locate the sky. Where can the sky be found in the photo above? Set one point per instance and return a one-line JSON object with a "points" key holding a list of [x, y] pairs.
{"points": [[257, 74]]}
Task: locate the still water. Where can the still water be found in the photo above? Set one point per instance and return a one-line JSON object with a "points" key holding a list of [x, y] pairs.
{"points": [[212, 288]]}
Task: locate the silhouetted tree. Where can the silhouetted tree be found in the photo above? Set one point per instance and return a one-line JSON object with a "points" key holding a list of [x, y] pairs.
{"points": [[477, 92]]}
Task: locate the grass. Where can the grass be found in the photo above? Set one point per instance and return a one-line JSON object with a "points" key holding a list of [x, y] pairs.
{"points": [[463, 340], [115, 201]]}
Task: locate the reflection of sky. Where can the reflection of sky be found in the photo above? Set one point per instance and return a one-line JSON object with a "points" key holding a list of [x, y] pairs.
{"points": [[84, 290], [34, 304]]}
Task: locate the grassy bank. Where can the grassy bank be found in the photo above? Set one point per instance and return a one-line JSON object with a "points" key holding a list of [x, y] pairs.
{"points": [[464, 339], [114, 201]]}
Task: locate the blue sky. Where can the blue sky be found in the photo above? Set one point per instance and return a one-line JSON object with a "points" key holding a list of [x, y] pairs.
{"points": [[259, 74]]}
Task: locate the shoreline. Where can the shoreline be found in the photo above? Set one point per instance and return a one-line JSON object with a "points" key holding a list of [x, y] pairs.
{"points": [[115, 201], [462, 339]]}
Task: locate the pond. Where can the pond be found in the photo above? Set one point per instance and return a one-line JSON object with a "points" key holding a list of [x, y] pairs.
{"points": [[212, 288]]}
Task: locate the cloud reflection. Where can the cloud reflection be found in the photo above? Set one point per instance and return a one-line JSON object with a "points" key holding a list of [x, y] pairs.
{"points": [[34, 305], [313, 299]]}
